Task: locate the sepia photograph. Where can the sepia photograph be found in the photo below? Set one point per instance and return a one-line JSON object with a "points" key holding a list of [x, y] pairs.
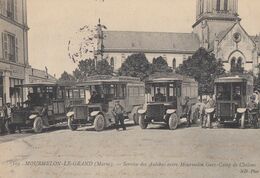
{"points": [[129, 89]]}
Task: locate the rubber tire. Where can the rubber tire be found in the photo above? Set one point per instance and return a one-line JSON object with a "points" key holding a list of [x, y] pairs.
{"points": [[71, 126], [99, 123], [136, 119], [242, 126], [38, 125], [9, 128], [142, 122], [173, 121]]}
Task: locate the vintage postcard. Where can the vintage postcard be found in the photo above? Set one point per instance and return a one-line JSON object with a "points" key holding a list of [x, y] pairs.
{"points": [[129, 88]]}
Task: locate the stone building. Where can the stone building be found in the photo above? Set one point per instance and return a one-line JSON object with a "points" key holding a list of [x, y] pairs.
{"points": [[14, 64], [13, 48], [217, 28]]}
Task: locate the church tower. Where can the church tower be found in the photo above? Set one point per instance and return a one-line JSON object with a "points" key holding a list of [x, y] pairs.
{"points": [[214, 17]]}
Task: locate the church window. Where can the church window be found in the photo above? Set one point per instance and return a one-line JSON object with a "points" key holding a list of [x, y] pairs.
{"points": [[112, 62], [233, 64], [218, 5], [174, 63], [239, 63]]}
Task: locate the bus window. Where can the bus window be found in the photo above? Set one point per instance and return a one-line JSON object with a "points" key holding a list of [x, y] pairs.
{"points": [[135, 91], [70, 95], [141, 91], [224, 91], [236, 92], [120, 91], [75, 93], [87, 96], [131, 91], [60, 94], [81, 93]]}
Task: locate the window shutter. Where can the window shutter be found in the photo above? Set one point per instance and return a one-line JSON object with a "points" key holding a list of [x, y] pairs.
{"points": [[4, 8], [1, 7], [15, 10], [16, 49], [4, 39]]}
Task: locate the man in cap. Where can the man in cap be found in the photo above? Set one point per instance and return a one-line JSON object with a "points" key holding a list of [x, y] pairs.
{"points": [[118, 112], [187, 110], [159, 96], [252, 107]]}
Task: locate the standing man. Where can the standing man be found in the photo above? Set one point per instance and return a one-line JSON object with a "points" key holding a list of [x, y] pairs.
{"points": [[187, 110], [8, 115], [118, 113], [252, 107], [202, 113]]}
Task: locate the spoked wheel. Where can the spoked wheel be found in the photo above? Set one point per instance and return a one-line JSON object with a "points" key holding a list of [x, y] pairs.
{"points": [[71, 125], [173, 122], [38, 125], [99, 123], [142, 122]]}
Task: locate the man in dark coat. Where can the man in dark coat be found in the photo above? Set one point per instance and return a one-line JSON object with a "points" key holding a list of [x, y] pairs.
{"points": [[118, 112]]}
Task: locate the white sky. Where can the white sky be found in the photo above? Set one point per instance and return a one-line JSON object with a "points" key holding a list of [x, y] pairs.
{"points": [[54, 22]]}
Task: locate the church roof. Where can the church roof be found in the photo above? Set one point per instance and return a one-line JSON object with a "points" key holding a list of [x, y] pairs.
{"points": [[132, 41]]}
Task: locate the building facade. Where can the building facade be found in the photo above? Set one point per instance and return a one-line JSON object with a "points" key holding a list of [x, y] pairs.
{"points": [[13, 49], [14, 64], [217, 28]]}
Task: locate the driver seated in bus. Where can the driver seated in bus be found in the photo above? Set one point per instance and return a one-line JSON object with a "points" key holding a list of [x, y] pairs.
{"points": [[95, 97], [159, 96]]}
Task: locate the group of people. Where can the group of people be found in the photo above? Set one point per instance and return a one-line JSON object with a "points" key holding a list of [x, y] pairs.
{"points": [[252, 108], [206, 104]]}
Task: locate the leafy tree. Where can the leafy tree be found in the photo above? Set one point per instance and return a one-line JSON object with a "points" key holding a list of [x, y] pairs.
{"points": [[204, 68], [160, 65], [65, 76], [85, 68], [257, 79], [136, 65], [88, 67], [104, 68]]}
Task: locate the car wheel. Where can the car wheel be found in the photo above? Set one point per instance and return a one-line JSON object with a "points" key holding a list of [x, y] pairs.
{"points": [[99, 123], [242, 124], [173, 122], [142, 122], [38, 125], [71, 125]]}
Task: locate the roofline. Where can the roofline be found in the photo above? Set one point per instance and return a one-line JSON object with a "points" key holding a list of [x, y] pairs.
{"points": [[232, 28], [148, 51], [127, 31], [215, 18]]}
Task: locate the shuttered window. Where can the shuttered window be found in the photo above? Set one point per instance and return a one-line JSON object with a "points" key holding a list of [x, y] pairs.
{"points": [[225, 5], [10, 9], [10, 47], [218, 5], [4, 39]]}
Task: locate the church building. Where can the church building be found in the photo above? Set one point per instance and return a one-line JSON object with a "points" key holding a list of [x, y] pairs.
{"points": [[217, 28]]}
